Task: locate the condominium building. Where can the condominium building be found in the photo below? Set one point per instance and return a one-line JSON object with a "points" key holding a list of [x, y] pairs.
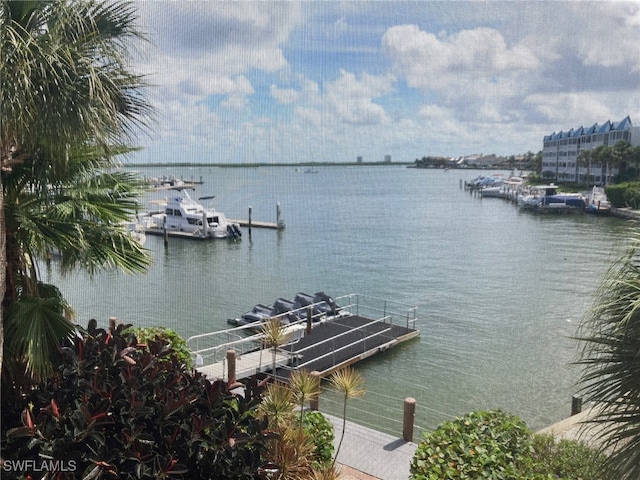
{"points": [[560, 151]]}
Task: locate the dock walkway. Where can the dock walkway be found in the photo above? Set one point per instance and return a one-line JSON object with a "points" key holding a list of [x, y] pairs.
{"points": [[369, 454], [248, 364]]}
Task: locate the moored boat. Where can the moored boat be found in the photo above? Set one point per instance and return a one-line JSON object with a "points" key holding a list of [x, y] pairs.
{"points": [[320, 305], [598, 202], [184, 216], [547, 198]]}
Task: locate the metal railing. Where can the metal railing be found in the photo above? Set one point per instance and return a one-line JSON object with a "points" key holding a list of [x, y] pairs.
{"points": [[209, 348]]}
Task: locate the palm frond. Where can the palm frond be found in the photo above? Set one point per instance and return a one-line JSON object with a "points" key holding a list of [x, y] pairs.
{"points": [[34, 328], [610, 338]]}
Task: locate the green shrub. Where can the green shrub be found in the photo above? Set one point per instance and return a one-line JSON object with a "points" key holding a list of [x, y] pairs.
{"points": [[479, 445], [166, 335], [499, 446], [565, 460], [120, 410], [632, 195], [320, 430], [615, 194]]}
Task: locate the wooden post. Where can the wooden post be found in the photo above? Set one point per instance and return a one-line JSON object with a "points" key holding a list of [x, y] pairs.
{"points": [[231, 366], [314, 401], [407, 421], [112, 324], [164, 229], [249, 220], [576, 405], [279, 222], [309, 320]]}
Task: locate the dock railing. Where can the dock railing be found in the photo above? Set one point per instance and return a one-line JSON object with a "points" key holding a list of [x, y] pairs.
{"points": [[210, 348], [392, 312]]}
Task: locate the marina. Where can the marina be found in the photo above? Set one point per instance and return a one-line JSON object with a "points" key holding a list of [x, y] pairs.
{"points": [[539, 198], [500, 292]]}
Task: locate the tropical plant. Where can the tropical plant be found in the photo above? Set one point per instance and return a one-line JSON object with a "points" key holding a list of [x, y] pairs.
{"points": [[299, 448], [494, 444], [118, 409], [277, 406], [610, 336], [320, 430], [274, 335], [479, 445], [69, 107], [616, 194], [564, 459], [348, 383], [584, 160], [165, 335], [304, 386]]}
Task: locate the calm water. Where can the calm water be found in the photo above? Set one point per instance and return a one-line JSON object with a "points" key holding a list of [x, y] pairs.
{"points": [[499, 291]]}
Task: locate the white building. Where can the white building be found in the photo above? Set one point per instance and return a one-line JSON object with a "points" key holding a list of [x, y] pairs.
{"points": [[560, 151]]}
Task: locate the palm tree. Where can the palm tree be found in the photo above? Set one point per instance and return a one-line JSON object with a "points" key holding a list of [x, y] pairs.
{"points": [[611, 359], [602, 155], [69, 106], [348, 383], [274, 335], [621, 154], [303, 386], [584, 160]]}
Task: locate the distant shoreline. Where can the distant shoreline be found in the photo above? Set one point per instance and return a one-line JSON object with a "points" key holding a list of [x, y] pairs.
{"points": [[253, 165]]}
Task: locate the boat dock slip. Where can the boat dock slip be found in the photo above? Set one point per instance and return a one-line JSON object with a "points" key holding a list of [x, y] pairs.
{"points": [[363, 326], [245, 223]]}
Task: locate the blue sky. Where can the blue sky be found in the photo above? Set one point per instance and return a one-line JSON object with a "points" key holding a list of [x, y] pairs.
{"points": [[242, 82]]}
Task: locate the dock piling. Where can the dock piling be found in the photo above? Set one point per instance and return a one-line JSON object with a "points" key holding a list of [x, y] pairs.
{"points": [[231, 366], [576, 405], [164, 230], [249, 221], [314, 401], [408, 419]]}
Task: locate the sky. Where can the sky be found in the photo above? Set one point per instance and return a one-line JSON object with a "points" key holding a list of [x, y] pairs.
{"points": [[329, 81]]}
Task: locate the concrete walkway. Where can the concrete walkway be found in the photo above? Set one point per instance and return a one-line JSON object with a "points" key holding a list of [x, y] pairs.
{"points": [[578, 427], [367, 454]]}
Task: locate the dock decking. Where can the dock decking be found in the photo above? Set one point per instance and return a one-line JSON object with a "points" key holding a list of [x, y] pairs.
{"points": [[345, 341]]}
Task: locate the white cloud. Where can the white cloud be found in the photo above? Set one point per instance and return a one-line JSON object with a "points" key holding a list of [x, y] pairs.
{"points": [[285, 80], [427, 61], [351, 98], [285, 96]]}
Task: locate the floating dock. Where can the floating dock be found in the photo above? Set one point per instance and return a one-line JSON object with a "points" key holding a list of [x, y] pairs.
{"points": [[254, 224], [365, 326]]}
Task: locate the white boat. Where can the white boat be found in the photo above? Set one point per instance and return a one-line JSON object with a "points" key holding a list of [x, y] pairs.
{"points": [[545, 197], [184, 216], [136, 231], [598, 202], [496, 192]]}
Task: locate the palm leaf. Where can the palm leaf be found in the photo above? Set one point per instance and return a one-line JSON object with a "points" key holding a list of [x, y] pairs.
{"points": [[34, 328], [610, 336]]}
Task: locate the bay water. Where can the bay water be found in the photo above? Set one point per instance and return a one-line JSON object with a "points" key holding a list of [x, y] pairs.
{"points": [[500, 292]]}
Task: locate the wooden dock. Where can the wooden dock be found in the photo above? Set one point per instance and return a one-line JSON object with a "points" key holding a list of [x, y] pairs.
{"points": [[255, 224], [324, 347]]}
